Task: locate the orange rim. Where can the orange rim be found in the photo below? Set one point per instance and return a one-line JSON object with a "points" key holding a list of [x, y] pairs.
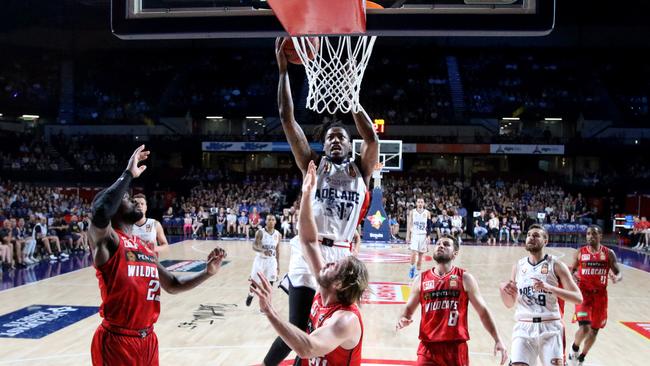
{"points": [[373, 5]]}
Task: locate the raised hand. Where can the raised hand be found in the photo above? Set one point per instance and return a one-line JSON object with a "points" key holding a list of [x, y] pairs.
{"points": [[139, 155], [309, 182], [215, 258]]}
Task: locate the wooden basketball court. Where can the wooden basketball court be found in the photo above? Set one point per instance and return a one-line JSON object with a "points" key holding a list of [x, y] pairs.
{"points": [[211, 325]]}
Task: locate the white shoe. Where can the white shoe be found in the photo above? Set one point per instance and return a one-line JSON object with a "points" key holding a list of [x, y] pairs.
{"points": [[28, 261], [53, 258], [64, 255], [33, 259], [573, 358]]}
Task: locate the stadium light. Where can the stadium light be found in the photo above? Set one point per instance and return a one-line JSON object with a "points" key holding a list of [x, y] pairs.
{"points": [[552, 119], [254, 117], [510, 118], [30, 116], [214, 117]]}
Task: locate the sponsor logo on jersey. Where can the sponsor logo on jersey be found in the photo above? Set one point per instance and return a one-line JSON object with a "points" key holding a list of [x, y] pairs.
{"points": [[557, 361], [453, 283], [602, 256], [132, 256], [428, 285], [38, 321], [585, 257], [545, 268], [386, 293]]}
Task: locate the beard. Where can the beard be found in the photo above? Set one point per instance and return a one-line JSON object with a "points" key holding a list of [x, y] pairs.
{"points": [[533, 248], [132, 217], [441, 258]]}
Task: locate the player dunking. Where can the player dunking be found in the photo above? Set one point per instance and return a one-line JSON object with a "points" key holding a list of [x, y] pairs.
{"points": [[267, 259], [591, 266], [443, 294], [335, 328], [149, 230], [417, 236], [130, 276], [537, 283], [341, 187]]}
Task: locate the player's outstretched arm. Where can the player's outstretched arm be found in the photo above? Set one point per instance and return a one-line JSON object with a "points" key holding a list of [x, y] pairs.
{"points": [[257, 243], [406, 318], [103, 240], [478, 303], [342, 327], [174, 284], [370, 145], [308, 232], [300, 148], [163, 244]]}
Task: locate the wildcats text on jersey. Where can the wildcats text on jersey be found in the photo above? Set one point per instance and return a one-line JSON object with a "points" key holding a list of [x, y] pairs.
{"points": [[142, 271]]}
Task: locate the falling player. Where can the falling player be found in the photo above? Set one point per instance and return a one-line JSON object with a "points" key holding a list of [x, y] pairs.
{"points": [[130, 276], [335, 328], [147, 229], [443, 294], [341, 185], [537, 283], [591, 266], [267, 259], [417, 236]]}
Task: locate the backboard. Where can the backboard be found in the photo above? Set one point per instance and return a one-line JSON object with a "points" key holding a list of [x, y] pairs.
{"points": [[390, 153], [195, 19]]}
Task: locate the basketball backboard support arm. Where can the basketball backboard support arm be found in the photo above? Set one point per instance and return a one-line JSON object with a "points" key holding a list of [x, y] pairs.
{"points": [[196, 19]]}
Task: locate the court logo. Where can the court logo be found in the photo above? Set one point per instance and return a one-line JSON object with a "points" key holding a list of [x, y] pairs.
{"points": [[376, 220], [386, 293], [38, 321], [207, 314], [173, 265]]}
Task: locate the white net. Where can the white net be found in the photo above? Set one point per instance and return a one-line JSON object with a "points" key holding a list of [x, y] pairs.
{"points": [[334, 68]]}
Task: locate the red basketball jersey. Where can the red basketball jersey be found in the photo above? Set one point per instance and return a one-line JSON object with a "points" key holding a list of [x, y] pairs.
{"points": [[593, 268], [443, 301], [129, 285], [340, 356]]}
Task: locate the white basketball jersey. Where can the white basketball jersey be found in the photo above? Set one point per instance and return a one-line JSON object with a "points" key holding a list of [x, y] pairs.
{"points": [[535, 304], [146, 232], [338, 199], [419, 223], [269, 242]]}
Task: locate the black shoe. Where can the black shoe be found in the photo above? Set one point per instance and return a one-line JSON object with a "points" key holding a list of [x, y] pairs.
{"points": [[249, 300]]}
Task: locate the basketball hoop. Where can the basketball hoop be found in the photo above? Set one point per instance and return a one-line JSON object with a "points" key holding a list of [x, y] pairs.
{"points": [[335, 71], [335, 65]]}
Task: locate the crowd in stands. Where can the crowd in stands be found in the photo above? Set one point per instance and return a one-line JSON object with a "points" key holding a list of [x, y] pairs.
{"points": [[230, 209], [39, 222]]}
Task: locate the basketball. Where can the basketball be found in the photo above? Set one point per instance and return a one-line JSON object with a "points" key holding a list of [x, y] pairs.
{"points": [[292, 54]]}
